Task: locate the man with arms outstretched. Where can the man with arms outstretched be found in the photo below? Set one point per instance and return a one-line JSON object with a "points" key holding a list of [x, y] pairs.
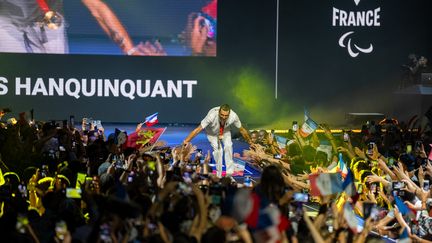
{"points": [[217, 125]]}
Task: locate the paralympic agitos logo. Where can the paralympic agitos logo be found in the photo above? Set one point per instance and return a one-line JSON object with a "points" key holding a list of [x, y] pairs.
{"points": [[364, 18]]}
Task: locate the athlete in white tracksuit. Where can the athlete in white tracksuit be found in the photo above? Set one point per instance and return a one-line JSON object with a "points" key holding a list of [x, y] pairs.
{"points": [[218, 124]]}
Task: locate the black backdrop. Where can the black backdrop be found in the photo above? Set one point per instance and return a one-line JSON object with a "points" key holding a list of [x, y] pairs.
{"points": [[313, 70]]}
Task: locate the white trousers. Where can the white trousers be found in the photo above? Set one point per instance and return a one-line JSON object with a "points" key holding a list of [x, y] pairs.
{"points": [[219, 149], [32, 39]]}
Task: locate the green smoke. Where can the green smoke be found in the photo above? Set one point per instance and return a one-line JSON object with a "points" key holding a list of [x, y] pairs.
{"points": [[253, 96]]}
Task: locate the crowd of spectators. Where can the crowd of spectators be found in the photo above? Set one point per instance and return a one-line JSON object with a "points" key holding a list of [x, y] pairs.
{"points": [[65, 184]]}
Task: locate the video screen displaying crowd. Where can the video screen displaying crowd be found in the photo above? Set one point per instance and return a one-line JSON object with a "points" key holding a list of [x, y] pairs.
{"points": [[61, 183]]}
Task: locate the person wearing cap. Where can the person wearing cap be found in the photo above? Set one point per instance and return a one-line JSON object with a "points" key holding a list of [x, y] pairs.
{"points": [[218, 124]]}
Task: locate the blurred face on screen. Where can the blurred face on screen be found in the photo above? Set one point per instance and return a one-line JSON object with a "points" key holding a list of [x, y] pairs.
{"points": [[223, 115], [254, 137]]}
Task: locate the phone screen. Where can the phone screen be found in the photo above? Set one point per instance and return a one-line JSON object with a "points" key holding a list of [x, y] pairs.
{"points": [[295, 126], [72, 121], [345, 137], [418, 145], [391, 161], [81, 179], [373, 188], [199, 152], [370, 148], [408, 148], [370, 210], [215, 192], [300, 197], [426, 185], [22, 221], [397, 185], [73, 193], [61, 229]]}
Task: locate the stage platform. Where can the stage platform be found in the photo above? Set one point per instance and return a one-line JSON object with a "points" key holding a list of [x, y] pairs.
{"points": [[176, 133]]}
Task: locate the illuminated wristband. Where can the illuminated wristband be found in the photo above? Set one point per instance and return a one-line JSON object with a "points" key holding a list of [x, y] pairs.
{"points": [[132, 51]]}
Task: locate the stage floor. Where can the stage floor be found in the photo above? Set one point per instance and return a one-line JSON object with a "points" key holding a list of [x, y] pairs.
{"points": [[175, 134]]}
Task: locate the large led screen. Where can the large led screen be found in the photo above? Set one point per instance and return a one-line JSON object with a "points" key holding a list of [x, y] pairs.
{"points": [[109, 27]]}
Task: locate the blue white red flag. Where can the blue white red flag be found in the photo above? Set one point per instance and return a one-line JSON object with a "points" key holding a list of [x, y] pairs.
{"points": [[151, 120], [325, 184], [342, 166], [349, 187], [281, 141], [309, 126], [351, 218]]}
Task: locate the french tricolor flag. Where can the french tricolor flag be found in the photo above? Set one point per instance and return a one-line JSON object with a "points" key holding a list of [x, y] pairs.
{"points": [[342, 166], [309, 126], [151, 120], [325, 184], [349, 187], [351, 218]]}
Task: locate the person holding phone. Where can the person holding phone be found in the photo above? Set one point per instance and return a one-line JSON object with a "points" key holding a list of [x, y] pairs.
{"points": [[217, 125]]}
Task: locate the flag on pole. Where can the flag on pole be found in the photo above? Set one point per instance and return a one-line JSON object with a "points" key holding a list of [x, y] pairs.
{"points": [[151, 120], [143, 137], [281, 141], [349, 186], [340, 167], [309, 126], [306, 114], [351, 218], [325, 184]]}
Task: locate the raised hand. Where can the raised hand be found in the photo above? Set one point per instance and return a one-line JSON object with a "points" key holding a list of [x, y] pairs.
{"points": [[208, 157], [421, 176], [382, 164], [422, 152], [360, 153], [327, 131], [428, 168], [198, 36], [130, 160], [373, 178], [342, 149], [138, 127], [409, 187], [149, 49], [371, 197], [187, 152]]}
